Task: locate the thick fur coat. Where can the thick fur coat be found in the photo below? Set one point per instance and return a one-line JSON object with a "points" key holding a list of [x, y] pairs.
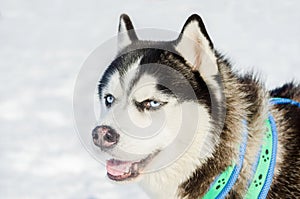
{"points": [[223, 98]]}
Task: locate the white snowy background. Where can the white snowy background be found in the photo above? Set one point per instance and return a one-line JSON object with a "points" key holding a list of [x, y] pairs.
{"points": [[43, 45]]}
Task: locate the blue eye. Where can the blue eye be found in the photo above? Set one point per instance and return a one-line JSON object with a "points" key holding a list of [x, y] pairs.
{"points": [[149, 105], [154, 104], [109, 100]]}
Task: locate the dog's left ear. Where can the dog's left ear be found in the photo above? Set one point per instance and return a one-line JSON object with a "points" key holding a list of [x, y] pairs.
{"points": [[126, 32], [196, 48]]}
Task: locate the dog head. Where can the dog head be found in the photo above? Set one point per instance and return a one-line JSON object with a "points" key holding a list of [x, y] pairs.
{"points": [[157, 100]]}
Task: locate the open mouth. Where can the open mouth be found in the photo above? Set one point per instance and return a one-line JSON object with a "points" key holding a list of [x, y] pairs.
{"points": [[119, 170]]}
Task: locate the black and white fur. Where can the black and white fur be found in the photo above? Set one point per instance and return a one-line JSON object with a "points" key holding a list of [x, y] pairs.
{"points": [[222, 99]]}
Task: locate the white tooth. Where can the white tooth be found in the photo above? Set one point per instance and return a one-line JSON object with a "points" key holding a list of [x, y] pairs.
{"points": [[135, 166]]}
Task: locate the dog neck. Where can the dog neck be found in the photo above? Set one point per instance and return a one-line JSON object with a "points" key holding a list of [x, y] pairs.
{"points": [[195, 179], [165, 183]]}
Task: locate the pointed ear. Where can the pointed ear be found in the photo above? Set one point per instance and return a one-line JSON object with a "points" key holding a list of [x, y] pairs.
{"points": [[196, 47], [126, 33]]}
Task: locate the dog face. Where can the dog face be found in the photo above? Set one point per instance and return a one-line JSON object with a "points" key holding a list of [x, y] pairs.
{"points": [[156, 102]]}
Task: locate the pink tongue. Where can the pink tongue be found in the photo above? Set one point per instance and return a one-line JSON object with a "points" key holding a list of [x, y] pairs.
{"points": [[117, 167]]}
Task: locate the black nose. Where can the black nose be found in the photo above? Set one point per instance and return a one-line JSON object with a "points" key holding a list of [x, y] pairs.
{"points": [[105, 136]]}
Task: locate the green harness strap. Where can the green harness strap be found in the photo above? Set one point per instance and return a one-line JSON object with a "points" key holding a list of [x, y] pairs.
{"points": [[263, 166], [264, 169], [221, 185]]}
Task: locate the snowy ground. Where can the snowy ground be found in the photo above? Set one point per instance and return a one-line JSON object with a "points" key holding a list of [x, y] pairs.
{"points": [[43, 45]]}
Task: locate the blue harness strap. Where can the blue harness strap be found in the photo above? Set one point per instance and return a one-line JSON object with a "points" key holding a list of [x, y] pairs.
{"points": [[268, 181], [279, 101], [226, 180]]}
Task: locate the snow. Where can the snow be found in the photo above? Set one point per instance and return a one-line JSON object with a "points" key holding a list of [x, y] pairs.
{"points": [[43, 45]]}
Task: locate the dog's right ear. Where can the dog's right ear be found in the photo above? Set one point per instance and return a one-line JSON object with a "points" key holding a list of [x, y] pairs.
{"points": [[126, 32]]}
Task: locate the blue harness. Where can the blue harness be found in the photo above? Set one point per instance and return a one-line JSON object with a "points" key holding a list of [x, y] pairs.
{"points": [[264, 168]]}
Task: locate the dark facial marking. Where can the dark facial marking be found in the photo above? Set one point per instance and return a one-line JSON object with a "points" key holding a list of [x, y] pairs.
{"points": [[174, 76]]}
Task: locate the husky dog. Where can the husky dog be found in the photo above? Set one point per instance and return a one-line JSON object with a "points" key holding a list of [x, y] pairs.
{"points": [[175, 116]]}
